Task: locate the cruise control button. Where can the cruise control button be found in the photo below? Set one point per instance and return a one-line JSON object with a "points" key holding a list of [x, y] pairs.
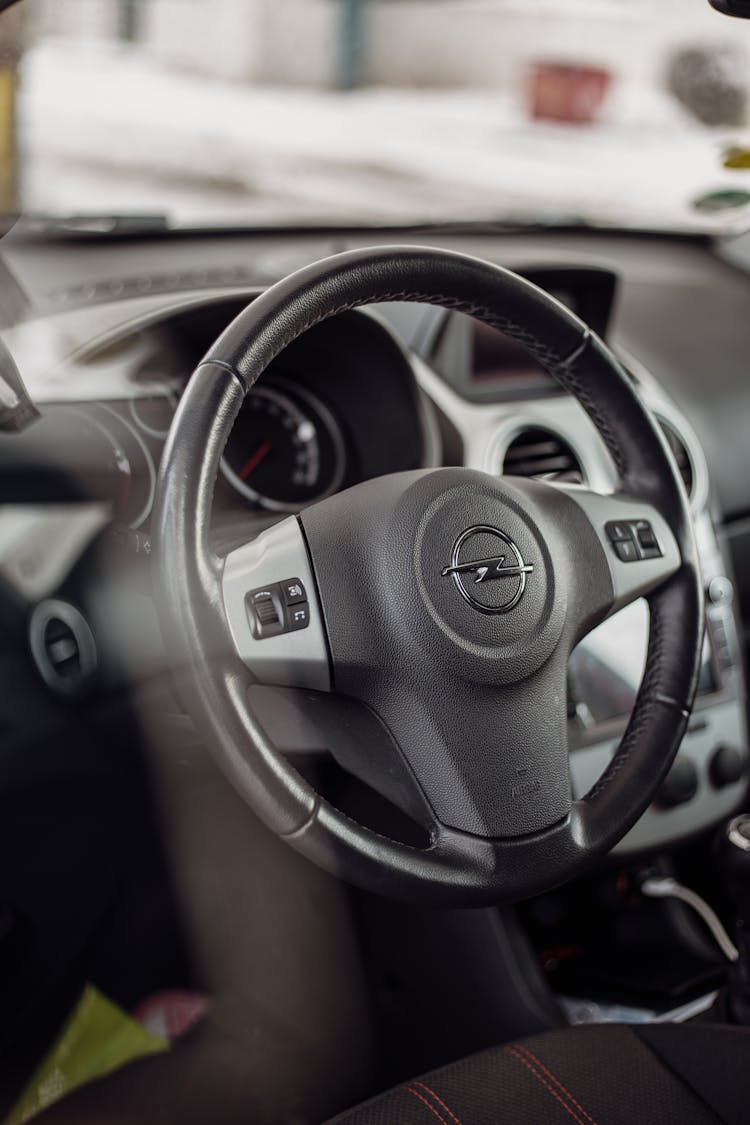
{"points": [[626, 550], [647, 541], [298, 616], [618, 530], [293, 591], [645, 533]]}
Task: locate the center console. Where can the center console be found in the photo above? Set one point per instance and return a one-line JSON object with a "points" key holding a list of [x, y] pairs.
{"points": [[709, 777]]}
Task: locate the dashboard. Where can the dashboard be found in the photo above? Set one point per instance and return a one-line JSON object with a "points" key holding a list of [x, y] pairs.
{"points": [[369, 392], [341, 405]]}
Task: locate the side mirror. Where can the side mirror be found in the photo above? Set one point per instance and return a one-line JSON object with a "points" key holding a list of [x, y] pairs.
{"points": [[738, 8]]}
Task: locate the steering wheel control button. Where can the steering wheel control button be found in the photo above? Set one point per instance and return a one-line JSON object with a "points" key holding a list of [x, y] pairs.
{"points": [[647, 542], [279, 608], [633, 540], [488, 569], [626, 550], [294, 591], [645, 534], [266, 612], [617, 530], [298, 616]]}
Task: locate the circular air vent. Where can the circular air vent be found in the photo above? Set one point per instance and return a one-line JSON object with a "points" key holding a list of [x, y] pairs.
{"points": [[680, 454], [63, 647], [540, 453]]}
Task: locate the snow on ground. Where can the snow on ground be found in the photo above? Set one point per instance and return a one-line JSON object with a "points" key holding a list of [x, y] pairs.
{"points": [[104, 127]]}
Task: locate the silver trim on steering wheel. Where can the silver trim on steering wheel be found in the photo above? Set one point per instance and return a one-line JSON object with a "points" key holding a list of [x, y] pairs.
{"points": [[297, 658]]}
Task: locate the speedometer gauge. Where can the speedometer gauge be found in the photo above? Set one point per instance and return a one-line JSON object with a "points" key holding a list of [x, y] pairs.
{"points": [[285, 449]]}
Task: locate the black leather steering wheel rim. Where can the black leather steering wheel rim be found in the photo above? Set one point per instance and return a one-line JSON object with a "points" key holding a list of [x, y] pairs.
{"points": [[459, 867]]}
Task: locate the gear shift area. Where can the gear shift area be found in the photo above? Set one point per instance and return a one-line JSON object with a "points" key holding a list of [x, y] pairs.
{"points": [[733, 860]]}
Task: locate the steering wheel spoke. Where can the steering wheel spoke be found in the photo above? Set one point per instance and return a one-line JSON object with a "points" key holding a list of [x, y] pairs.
{"points": [[638, 550], [272, 609], [491, 760]]}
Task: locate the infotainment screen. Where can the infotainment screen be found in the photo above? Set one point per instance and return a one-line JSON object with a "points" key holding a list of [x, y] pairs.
{"points": [[498, 359], [499, 363], [488, 365], [606, 668]]}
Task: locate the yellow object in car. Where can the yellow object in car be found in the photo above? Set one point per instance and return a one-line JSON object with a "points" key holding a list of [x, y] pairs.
{"points": [[736, 157], [97, 1038]]}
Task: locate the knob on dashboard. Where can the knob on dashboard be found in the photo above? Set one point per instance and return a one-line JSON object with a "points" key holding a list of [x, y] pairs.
{"points": [[726, 767], [679, 786], [733, 856], [733, 861], [720, 591]]}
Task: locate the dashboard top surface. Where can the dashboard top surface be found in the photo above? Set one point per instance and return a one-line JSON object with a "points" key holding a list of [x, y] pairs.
{"points": [[679, 309]]}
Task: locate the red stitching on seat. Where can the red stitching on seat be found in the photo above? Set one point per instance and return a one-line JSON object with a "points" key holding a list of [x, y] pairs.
{"points": [[416, 1093], [556, 1080], [517, 1055], [440, 1102]]}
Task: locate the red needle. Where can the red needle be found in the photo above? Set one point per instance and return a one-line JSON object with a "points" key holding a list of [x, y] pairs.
{"points": [[252, 462]]}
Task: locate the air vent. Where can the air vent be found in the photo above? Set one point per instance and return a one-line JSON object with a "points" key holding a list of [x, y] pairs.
{"points": [[536, 452], [63, 647], [680, 454]]}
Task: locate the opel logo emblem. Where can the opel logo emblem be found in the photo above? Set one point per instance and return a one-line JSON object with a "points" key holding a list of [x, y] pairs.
{"points": [[492, 576]]}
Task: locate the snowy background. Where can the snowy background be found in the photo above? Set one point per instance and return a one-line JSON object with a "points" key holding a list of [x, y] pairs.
{"points": [[161, 125]]}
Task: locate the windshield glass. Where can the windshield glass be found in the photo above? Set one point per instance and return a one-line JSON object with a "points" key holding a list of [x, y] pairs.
{"points": [[625, 112]]}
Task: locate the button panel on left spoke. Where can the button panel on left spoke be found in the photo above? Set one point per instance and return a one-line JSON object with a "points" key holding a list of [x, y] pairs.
{"points": [[277, 628], [280, 607]]}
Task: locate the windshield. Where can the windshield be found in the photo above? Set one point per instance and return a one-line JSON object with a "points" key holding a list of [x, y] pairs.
{"points": [[269, 112]]}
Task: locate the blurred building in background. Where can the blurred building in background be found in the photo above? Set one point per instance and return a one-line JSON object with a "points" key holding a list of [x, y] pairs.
{"points": [[448, 43], [615, 110]]}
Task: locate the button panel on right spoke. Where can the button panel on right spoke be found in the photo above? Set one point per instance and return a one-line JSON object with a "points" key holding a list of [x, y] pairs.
{"points": [[633, 540]]}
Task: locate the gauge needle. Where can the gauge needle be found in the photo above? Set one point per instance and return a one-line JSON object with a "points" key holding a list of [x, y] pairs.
{"points": [[252, 462]]}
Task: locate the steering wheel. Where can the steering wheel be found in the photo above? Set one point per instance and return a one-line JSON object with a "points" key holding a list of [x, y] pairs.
{"points": [[441, 604]]}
